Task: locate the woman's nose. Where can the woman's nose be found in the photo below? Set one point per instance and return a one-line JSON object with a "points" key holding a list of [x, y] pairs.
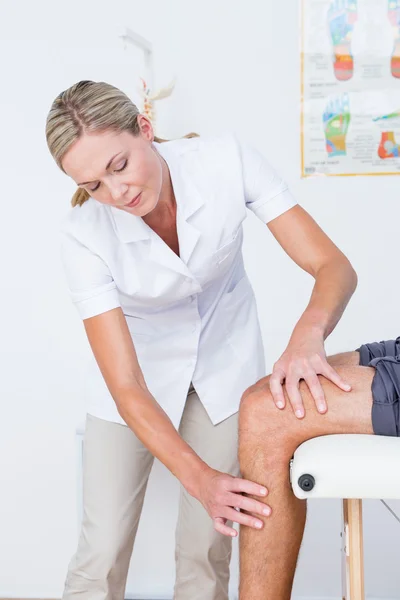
{"points": [[118, 190]]}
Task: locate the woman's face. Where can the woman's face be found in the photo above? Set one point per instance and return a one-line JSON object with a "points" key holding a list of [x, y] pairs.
{"points": [[118, 169]]}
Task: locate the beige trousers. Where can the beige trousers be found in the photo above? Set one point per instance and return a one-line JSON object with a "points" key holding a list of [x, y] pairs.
{"points": [[116, 467]]}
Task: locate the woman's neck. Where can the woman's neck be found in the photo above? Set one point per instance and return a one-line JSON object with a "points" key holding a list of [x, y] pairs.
{"points": [[164, 214]]}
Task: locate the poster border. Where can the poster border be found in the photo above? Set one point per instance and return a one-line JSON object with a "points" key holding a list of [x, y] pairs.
{"points": [[308, 175]]}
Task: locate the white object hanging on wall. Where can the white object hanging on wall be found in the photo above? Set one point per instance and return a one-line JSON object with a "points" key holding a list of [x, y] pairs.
{"points": [[146, 90]]}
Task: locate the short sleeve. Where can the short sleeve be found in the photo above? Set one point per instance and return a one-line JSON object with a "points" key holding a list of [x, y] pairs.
{"points": [[266, 194], [90, 283]]}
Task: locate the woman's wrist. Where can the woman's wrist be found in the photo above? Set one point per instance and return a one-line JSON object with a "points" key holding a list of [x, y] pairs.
{"points": [[194, 473], [307, 332]]}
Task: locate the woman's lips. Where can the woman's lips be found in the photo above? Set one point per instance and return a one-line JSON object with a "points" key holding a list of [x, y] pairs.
{"points": [[135, 201]]}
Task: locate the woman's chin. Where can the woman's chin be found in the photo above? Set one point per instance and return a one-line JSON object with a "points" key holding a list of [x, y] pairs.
{"points": [[142, 209]]}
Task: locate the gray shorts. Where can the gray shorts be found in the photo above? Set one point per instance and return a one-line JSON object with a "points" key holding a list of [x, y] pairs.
{"points": [[385, 358]]}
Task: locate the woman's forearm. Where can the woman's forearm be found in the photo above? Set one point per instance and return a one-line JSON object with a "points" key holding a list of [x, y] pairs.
{"points": [[335, 283], [155, 430]]}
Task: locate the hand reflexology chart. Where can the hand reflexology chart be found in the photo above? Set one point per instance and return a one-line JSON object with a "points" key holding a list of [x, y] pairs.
{"points": [[350, 118]]}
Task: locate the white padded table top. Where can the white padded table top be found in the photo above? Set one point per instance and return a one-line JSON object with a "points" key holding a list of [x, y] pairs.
{"points": [[348, 466]]}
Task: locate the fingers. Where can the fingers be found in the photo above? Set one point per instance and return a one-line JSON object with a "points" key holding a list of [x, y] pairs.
{"points": [[236, 484], [243, 519], [249, 505], [221, 527], [315, 386], [275, 385], [310, 376], [330, 373], [317, 392], [227, 500], [293, 392]]}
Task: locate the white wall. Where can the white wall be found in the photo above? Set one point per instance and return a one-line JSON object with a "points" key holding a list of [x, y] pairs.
{"points": [[237, 65]]}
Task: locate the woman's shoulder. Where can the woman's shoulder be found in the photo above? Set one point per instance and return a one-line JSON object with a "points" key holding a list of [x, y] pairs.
{"points": [[200, 143], [80, 221]]}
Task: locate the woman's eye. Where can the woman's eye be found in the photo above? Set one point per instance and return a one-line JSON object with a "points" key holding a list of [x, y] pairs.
{"points": [[122, 168], [117, 170]]}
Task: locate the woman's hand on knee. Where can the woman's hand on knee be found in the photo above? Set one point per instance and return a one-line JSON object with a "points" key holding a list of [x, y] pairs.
{"points": [[303, 361]]}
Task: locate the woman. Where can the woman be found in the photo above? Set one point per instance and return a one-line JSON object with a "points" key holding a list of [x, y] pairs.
{"points": [[152, 255]]}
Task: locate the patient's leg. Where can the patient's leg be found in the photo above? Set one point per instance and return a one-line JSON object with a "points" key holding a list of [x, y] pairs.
{"points": [[344, 359], [268, 439]]}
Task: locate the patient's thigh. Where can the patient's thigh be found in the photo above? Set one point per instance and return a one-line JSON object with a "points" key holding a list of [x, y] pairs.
{"points": [[350, 359]]}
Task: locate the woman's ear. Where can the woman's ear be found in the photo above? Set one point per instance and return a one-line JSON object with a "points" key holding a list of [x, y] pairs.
{"points": [[146, 128]]}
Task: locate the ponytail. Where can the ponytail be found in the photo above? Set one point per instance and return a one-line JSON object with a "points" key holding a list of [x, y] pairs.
{"points": [[188, 136], [80, 197]]}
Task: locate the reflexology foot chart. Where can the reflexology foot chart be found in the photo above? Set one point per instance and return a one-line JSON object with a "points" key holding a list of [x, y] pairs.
{"points": [[350, 87], [336, 120], [342, 16], [394, 18]]}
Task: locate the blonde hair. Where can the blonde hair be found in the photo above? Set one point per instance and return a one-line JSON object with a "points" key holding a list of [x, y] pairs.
{"points": [[89, 106]]}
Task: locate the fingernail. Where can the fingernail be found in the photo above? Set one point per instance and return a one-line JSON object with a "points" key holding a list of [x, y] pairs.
{"points": [[299, 413], [322, 408], [263, 492], [233, 534], [259, 524], [280, 404], [267, 511]]}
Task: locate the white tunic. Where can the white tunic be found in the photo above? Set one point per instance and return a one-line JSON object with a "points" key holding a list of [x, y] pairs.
{"points": [[192, 318]]}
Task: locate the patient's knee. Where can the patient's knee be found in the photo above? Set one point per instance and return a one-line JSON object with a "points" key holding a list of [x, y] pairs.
{"points": [[261, 423], [257, 409]]}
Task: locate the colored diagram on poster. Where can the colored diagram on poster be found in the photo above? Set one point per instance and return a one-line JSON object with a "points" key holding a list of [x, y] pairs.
{"points": [[350, 118], [336, 120], [342, 16], [388, 147]]}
